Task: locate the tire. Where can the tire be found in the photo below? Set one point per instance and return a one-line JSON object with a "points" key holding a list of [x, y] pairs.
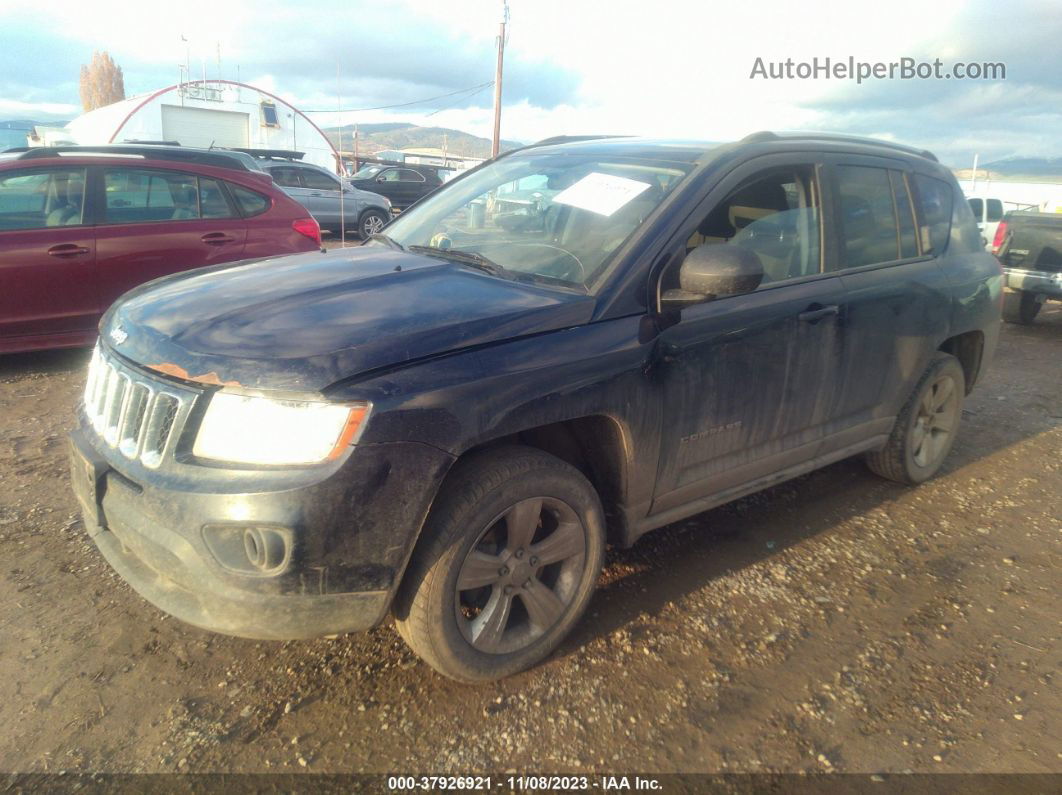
{"points": [[371, 222], [913, 455], [494, 512], [1020, 306]]}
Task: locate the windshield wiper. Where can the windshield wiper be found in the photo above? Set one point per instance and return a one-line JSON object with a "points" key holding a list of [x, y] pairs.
{"points": [[470, 258], [387, 241]]}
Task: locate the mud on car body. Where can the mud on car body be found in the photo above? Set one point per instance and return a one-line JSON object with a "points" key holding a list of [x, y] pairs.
{"points": [[449, 423]]}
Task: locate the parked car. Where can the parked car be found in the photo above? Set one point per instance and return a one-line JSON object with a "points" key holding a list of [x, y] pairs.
{"points": [[1029, 245], [449, 422], [329, 199], [988, 213], [81, 225], [402, 184]]}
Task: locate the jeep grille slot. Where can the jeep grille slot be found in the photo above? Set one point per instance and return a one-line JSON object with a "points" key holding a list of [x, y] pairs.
{"points": [[132, 412]]}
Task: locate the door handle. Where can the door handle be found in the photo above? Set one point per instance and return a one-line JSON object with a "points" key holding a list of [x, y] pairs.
{"points": [[316, 193], [67, 250], [217, 238], [817, 314]]}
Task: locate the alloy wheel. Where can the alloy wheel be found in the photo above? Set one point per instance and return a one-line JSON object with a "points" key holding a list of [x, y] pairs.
{"points": [[521, 575], [372, 224], [935, 422]]}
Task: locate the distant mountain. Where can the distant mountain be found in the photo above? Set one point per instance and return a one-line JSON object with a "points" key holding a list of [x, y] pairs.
{"points": [[1020, 169], [374, 138]]}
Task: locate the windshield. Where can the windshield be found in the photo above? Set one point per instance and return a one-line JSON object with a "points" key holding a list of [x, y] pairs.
{"points": [[557, 217], [368, 172]]}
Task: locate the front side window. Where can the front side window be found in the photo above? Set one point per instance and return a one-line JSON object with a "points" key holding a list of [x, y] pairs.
{"points": [[578, 210], [388, 175], [934, 199], [977, 207], [995, 210], [315, 180], [38, 199], [868, 216], [144, 196], [775, 216]]}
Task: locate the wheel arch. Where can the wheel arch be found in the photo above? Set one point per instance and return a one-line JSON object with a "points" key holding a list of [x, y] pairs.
{"points": [[968, 348], [598, 445]]}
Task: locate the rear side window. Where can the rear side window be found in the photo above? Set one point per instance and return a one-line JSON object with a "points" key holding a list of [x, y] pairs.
{"points": [[405, 175], [868, 214], [934, 200], [904, 215], [286, 177], [977, 207], [250, 202], [41, 199], [212, 201], [315, 180], [143, 196]]}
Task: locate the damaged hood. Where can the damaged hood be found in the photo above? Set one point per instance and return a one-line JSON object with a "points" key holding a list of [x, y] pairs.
{"points": [[306, 321]]}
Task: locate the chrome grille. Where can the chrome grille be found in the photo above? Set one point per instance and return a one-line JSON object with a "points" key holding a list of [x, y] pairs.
{"points": [[133, 413]]}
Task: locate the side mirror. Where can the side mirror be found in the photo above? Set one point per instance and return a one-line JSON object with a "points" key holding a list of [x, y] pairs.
{"points": [[380, 179], [714, 271]]}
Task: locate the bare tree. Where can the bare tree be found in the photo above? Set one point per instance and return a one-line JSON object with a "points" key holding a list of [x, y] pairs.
{"points": [[101, 82]]}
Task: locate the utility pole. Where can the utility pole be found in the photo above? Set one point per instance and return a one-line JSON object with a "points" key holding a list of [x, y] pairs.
{"points": [[496, 142]]}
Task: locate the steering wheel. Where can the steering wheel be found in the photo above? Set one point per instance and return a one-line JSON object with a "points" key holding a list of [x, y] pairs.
{"points": [[574, 271]]}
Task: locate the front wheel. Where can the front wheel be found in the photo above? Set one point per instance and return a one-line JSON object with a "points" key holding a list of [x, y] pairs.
{"points": [[925, 429], [371, 222], [510, 557]]}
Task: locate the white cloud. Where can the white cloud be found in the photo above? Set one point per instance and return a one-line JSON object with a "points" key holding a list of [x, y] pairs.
{"points": [[673, 68]]}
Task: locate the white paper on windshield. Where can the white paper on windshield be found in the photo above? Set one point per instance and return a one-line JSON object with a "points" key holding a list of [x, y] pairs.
{"points": [[601, 193]]}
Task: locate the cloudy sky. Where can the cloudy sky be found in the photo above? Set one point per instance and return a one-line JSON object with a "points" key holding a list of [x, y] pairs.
{"points": [[663, 68]]}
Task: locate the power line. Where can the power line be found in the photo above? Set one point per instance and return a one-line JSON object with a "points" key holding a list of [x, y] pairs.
{"points": [[473, 89], [452, 104]]}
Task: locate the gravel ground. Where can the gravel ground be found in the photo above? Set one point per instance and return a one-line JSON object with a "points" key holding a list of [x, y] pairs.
{"points": [[835, 623]]}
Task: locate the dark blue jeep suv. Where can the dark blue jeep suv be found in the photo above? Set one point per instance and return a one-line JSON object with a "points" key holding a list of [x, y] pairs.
{"points": [[568, 346]]}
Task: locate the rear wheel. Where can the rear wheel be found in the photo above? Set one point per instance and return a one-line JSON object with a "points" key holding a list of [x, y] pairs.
{"points": [[1020, 306], [511, 555], [925, 430]]}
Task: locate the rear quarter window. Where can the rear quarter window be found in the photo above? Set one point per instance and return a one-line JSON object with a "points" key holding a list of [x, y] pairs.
{"points": [[965, 237], [250, 202], [934, 198]]}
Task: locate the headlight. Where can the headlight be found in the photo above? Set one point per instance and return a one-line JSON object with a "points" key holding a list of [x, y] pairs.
{"points": [[256, 430]]}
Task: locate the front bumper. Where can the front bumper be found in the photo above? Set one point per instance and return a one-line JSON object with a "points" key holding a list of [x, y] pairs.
{"points": [[1044, 282], [348, 538]]}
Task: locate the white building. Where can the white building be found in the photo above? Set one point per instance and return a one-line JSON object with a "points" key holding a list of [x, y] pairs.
{"points": [[200, 113]]}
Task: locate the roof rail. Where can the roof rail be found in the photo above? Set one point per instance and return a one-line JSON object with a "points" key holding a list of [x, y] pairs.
{"points": [[567, 139], [766, 135], [286, 154], [218, 158]]}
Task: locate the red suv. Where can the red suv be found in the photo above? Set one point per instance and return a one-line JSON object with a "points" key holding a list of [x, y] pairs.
{"points": [[81, 225]]}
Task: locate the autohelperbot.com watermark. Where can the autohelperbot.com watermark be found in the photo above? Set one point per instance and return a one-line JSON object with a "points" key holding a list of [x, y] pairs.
{"points": [[849, 68]]}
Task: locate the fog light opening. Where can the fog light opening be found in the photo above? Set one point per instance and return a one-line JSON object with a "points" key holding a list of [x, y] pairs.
{"points": [[254, 546]]}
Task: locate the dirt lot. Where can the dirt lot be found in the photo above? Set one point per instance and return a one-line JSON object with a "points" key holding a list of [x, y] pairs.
{"points": [[836, 623]]}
